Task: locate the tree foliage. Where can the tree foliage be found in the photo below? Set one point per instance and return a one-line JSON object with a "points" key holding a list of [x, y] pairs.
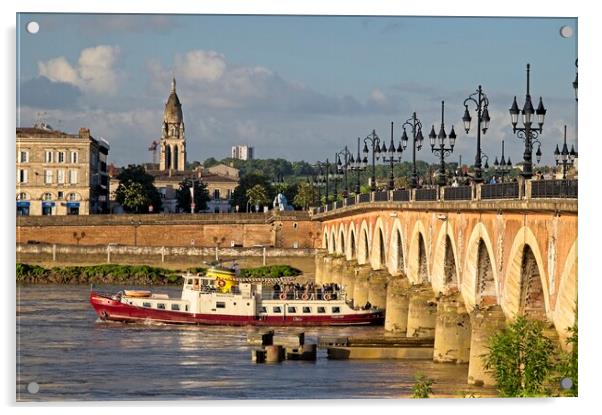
{"points": [[239, 196], [304, 197], [422, 388], [136, 190], [257, 196], [184, 198], [521, 359]]}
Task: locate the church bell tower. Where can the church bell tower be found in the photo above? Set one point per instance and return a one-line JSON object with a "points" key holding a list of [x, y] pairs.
{"points": [[173, 140]]}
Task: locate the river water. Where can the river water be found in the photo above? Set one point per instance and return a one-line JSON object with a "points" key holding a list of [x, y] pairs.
{"points": [[71, 355]]}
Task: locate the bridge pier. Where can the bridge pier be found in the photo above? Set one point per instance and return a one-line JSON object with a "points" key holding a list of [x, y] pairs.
{"points": [[348, 279], [484, 324], [337, 270], [360, 287], [398, 301], [320, 266], [422, 312], [452, 330], [377, 288]]}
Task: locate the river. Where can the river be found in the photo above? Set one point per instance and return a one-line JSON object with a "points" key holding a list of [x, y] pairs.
{"points": [[71, 355]]}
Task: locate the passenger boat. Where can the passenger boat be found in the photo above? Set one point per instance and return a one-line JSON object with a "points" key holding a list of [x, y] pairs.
{"points": [[220, 297]]}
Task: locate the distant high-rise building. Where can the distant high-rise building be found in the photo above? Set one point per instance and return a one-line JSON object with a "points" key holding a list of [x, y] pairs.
{"points": [[242, 152]]}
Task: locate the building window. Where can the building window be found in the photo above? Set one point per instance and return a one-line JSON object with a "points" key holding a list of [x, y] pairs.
{"points": [[47, 196], [175, 307], [292, 310], [23, 157], [74, 157], [60, 195], [277, 310], [61, 156], [22, 196], [49, 156], [216, 194], [60, 176], [22, 176], [73, 176], [72, 197], [307, 310], [220, 304], [48, 176]]}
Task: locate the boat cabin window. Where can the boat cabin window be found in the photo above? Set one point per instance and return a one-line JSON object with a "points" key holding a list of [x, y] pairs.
{"points": [[292, 309], [220, 304], [307, 309], [189, 281], [146, 304], [161, 306], [186, 308], [321, 310], [263, 310], [336, 310], [175, 307], [277, 310]]}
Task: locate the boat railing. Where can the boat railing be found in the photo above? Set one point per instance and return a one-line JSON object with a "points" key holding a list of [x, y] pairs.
{"points": [[304, 295]]}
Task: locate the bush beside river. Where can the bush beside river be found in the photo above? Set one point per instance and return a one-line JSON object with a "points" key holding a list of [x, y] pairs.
{"points": [[128, 274]]}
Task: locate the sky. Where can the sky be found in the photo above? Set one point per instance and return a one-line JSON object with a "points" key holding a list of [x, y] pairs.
{"points": [[294, 87]]}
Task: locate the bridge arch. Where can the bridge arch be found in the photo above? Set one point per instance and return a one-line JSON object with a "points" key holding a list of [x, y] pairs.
{"points": [[341, 240], [479, 282], [418, 270], [364, 238], [446, 267], [526, 283], [325, 241], [397, 263], [333, 241], [378, 253], [565, 309], [351, 242]]}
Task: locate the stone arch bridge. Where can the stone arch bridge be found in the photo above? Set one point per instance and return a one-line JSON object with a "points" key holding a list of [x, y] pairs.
{"points": [[483, 261]]}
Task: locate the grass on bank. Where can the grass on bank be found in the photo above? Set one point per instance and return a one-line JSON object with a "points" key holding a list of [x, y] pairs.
{"points": [[138, 274]]}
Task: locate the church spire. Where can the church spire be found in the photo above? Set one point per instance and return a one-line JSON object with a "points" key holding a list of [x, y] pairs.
{"points": [[173, 85]]}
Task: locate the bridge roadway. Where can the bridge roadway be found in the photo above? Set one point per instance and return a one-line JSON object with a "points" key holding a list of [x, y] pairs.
{"points": [[457, 270]]}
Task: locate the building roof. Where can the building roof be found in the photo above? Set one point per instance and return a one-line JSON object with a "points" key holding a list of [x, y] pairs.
{"points": [[178, 176]]}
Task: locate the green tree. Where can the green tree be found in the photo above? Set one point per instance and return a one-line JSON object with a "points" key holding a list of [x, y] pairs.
{"points": [[239, 195], [521, 359], [184, 199], [304, 196], [569, 363], [257, 196], [423, 386], [136, 190]]}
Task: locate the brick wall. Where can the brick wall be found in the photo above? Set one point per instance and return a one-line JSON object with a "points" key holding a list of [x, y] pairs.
{"points": [[288, 230]]}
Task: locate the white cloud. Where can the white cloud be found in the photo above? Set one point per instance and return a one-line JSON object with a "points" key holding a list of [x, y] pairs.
{"points": [[93, 73], [200, 66]]}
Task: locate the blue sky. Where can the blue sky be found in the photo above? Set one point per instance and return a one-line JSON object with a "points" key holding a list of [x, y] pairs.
{"points": [[297, 87]]}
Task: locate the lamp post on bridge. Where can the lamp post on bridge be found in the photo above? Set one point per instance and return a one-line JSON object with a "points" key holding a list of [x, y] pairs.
{"points": [[565, 157], [479, 98], [528, 133], [392, 155], [374, 141], [357, 164], [502, 166], [343, 167], [439, 140], [416, 125]]}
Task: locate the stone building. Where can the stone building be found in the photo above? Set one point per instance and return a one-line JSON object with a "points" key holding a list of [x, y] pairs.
{"points": [[60, 173], [173, 140]]}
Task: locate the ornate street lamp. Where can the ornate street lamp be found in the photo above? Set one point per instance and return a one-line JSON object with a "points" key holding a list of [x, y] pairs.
{"points": [[416, 125], [320, 181], [479, 98], [528, 133], [343, 166], [374, 141], [502, 166], [357, 164], [336, 175], [392, 155], [438, 145], [565, 157]]}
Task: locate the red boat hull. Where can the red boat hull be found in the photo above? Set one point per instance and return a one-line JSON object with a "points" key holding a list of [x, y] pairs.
{"points": [[114, 310]]}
